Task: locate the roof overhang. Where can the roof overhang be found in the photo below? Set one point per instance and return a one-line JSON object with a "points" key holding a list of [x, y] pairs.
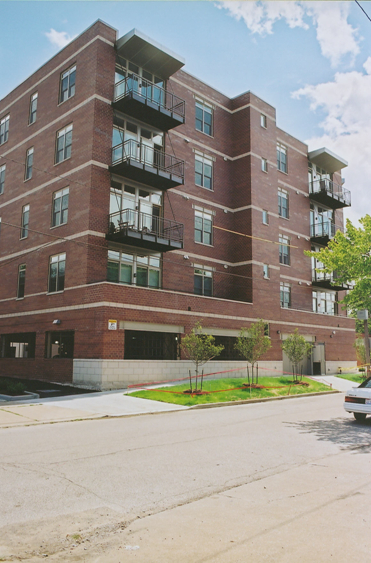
{"points": [[146, 53], [327, 160]]}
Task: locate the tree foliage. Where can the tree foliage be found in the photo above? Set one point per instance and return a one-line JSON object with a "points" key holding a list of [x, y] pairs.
{"points": [[252, 343], [349, 255], [199, 348], [296, 348]]}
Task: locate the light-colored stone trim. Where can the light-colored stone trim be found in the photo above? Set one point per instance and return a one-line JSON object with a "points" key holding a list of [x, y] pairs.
{"points": [[292, 146], [286, 185], [306, 282], [64, 176], [151, 327], [60, 66], [305, 237]]}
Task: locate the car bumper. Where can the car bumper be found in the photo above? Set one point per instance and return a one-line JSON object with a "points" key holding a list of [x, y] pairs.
{"points": [[356, 407]]}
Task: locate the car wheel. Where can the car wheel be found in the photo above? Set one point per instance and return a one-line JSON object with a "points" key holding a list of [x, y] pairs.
{"points": [[359, 416]]}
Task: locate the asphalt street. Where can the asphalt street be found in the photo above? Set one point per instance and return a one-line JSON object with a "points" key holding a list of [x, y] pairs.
{"points": [[213, 480]]}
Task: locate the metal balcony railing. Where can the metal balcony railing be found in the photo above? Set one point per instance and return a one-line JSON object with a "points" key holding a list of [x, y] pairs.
{"points": [[324, 229], [331, 189], [162, 231], [147, 156], [151, 92]]}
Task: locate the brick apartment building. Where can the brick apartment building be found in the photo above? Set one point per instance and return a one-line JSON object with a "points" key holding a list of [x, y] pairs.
{"points": [[136, 200]]}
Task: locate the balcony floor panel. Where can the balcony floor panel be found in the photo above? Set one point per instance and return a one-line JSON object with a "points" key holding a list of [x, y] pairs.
{"points": [[145, 240], [322, 240], [326, 284], [148, 111], [328, 200], [146, 174]]}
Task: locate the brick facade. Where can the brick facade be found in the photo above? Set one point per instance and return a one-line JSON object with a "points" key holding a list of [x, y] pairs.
{"points": [[241, 191]]}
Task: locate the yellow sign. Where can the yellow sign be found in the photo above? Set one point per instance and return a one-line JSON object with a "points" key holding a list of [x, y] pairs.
{"points": [[112, 325]]}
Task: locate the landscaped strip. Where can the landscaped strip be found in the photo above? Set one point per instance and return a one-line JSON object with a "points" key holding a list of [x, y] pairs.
{"points": [[356, 377], [227, 390]]}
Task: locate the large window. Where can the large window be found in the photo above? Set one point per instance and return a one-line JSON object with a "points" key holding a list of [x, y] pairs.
{"points": [[143, 345], [60, 207], [57, 267], [281, 157], [63, 144], [203, 227], [285, 295], [204, 117], [67, 88], [25, 221], [324, 302], [264, 165], [143, 271], [33, 108], [203, 171], [283, 203], [2, 178], [21, 281], [28, 164], [284, 250], [203, 281], [130, 77], [130, 140], [140, 208], [59, 344], [18, 345], [4, 129]]}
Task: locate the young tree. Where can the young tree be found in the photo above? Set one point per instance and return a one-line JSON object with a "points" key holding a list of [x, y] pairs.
{"points": [[252, 343], [199, 348], [361, 354], [296, 348], [349, 256]]}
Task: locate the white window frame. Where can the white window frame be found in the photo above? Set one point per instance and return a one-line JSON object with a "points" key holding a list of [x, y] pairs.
{"points": [[284, 241], [204, 215], [57, 259], [2, 178], [265, 217], [203, 272], [151, 262], [282, 164], [61, 212], [264, 165], [67, 148], [263, 120], [208, 109], [204, 161], [28, 164], [33, 108], [283, 211], [4, 129], [25, 221], [285, 289], [66, 74], [324, 302], [266, 271]]}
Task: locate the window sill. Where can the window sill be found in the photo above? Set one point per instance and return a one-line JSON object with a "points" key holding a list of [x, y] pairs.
{"points": [[33, 123], [282, 171], [64, 101], [64, 160], [282, 217], [27, 179], [204, 188], [204, 244], [56, 226], [203, 132], [54, 292], [286, 265]]}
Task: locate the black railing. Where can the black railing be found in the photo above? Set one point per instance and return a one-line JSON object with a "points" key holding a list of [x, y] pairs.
{"points": [[148, 156], [130, 220], [151, 92], [329, 187], [325, 229]]}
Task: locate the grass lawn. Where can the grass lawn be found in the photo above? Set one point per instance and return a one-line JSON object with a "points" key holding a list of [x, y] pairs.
{"points": [[222, 390], [356, 377]]}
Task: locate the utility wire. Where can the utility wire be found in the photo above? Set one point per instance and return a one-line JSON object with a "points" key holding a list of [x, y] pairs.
{"points": [[366, 14]]}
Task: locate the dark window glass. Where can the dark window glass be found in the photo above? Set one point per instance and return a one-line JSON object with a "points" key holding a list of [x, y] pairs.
{"points": [[21, 280], [18, 345], [60, 344], [142, 345]]}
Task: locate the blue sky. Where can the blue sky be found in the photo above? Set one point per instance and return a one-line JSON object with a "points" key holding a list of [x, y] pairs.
{"points": [[311, 60]]}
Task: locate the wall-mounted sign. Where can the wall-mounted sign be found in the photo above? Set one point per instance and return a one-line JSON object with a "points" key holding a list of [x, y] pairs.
{"points": [[362, 315], [112, 325]]}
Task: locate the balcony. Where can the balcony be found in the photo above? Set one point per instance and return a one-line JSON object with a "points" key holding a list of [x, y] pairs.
{"points": [[147, 165], [328, 281], [322, 233], [145, 231], [149, 102], [326, 192]]}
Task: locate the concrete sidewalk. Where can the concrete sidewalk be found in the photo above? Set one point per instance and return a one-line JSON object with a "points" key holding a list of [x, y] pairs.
{"points": [[78, 407], [337, 383]]}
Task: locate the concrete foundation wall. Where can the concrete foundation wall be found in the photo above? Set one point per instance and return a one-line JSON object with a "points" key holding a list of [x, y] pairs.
{"points": [[118, 374], [333, 367]]}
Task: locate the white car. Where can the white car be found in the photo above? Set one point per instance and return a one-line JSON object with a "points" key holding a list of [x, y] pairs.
{"points": [[358, 400]]}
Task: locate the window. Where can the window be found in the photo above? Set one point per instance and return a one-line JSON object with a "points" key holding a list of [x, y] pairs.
{"points": [[203, 171], [266, 271], [134, 141], [28, 164], [33, 109], [203, 227], [143, 271], [18, 345], [64, 143], [145, 345], [21, 281], [60, 207], [284, 250], [281, 157], [283, 203], [285, 295], [57, 267], [324, 302], [67, 89], [203, 282], [264, 165], [2, 178], [25, 221], [204, 118], [59, 344], [4, 129], [265, 217], [263, 120]]}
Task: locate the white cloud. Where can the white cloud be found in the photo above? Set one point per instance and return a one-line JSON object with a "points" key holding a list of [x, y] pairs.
{"points": [[335, 35], [346, 129], [58, 38]]}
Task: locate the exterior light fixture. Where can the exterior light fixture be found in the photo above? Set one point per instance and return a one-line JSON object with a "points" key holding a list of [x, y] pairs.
{"points": [[57, 322]]}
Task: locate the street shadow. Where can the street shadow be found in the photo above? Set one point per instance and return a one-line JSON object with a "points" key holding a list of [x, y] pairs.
{"points": [[350, 435]]}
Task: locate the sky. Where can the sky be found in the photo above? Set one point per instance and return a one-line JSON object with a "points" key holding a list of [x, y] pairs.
{"points": [[310, 60]]}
